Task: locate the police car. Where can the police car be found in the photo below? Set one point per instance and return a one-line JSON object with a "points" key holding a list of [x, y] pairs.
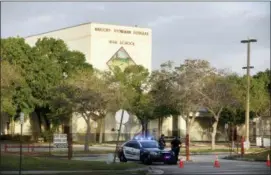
{"points": [[145, 150]]}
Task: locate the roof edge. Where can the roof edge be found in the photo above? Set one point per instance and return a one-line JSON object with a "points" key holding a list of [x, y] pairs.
{"points": [[80, 25], [58, 29]]}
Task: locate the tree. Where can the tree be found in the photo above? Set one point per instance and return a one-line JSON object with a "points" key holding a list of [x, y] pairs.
{"points": [[88, 101], [132, 86], [260, 99], [17, 96], [189, 78], [10, 79], [216, 95], [162, 92], [106, 104], [52, 60]]}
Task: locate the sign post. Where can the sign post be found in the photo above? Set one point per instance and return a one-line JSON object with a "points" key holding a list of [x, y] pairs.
{"points": [[118, 136], [121, 118], [21, 140]]}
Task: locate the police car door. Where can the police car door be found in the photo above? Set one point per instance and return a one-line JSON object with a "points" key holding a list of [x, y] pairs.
{"points": [[127, 150], [135, 150]]}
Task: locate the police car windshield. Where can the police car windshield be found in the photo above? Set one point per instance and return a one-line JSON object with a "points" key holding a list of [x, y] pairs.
{"points": [[152, 144]]}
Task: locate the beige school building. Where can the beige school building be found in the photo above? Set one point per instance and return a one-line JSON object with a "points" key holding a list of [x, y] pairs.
{"points": [[107, 45]]}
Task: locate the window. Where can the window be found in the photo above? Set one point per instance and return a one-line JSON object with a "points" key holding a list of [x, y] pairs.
{"points": [[149, 144], [135, 145], [129, 144]]}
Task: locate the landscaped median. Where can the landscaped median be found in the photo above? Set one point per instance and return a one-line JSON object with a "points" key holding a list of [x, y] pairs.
{"points": [[11, 163], [258, 156]]}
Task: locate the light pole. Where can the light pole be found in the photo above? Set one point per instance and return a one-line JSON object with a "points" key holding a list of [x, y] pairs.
{"points": [[248, 67]]}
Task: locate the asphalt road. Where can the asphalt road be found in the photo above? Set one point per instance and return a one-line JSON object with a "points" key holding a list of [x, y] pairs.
{"points": [[204, 165]]}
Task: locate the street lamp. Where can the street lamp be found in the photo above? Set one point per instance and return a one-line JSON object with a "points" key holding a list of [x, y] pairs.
{"points": [[248, 67]]}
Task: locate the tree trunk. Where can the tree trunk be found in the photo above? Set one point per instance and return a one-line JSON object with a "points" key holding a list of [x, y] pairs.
{"points": [[87, 136], [146, 128], [214, 133], [101, 130], [143, 127], [188, 125], [12, 126], [160, 124]]}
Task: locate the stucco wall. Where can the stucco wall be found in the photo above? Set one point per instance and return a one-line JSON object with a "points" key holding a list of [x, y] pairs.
{"points": [[96, 46], [76, 38], [102, 49]]}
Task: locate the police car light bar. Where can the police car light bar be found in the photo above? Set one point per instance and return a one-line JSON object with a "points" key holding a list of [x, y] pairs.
{"points": [[140, 137]]}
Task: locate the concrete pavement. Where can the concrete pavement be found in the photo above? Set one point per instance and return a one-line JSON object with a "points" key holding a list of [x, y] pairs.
{"points": [[203, 164]]}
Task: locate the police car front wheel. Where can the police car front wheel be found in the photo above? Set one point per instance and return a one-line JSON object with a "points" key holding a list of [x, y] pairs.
{"points": [[147, 160]]}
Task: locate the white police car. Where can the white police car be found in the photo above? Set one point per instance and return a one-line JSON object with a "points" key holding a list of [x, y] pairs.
{"points": [[146, 151]]}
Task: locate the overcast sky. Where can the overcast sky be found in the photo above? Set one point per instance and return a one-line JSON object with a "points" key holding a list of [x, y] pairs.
{"points": [[206, 30]]}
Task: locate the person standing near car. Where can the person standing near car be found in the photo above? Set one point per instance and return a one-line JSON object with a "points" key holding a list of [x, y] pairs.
{"points": [[162, 142], [175, 146]]}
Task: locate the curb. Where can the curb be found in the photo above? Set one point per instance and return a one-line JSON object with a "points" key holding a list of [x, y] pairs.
{"points": [[209, 153], [243, 159], [74, 172]]}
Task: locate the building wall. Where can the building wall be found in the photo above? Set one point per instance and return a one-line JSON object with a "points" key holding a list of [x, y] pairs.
{"points": [[77, 38], [4, 123], [95, 42], [107, 39]]}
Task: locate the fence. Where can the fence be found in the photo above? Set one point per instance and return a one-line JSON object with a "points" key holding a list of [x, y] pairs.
{"points": [[28, 148]]}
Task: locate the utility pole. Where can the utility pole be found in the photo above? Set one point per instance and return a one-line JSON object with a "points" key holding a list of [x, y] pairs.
{"points": [[248, 67]]}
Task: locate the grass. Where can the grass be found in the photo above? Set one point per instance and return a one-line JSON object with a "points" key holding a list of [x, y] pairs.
{"points": [[260, 156], [82, 153], [254, 156], [11, 162], [101, 173]]}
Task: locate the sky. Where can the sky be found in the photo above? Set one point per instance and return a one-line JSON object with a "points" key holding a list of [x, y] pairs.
{"points": [[181, 30]]}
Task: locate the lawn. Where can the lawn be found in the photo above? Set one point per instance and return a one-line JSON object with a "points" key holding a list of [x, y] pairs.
{"points": [[260, 156], [99, 173], [256, 156], [192, 151], [11, 162]]}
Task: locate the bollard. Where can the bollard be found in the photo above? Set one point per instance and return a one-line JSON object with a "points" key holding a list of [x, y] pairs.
{"points": [[28, 148], [242, 146], [32, 147]]}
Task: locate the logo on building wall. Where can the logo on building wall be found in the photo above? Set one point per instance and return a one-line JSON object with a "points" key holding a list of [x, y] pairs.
{"points": [[120, 59]]}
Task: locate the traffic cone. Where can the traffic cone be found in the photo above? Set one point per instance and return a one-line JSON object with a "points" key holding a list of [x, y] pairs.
{"points": [[216, 164], [181, 164], [268, 161]]}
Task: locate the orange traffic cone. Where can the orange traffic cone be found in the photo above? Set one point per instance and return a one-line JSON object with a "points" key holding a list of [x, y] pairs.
{"points": [[181, 164], [268, 161], [216, 164]]}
